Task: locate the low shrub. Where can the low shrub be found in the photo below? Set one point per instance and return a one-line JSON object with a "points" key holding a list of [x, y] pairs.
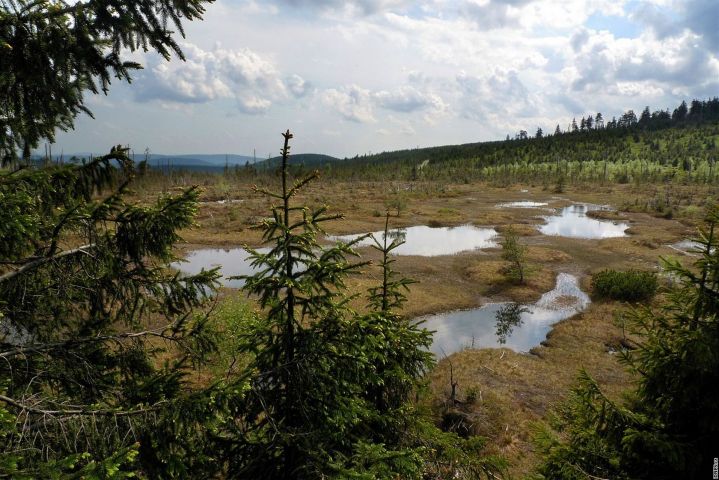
{"points": [[629, 286]]}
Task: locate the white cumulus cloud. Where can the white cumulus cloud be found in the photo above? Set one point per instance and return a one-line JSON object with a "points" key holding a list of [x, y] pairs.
{"points": [[243, 75], [354, 103]]}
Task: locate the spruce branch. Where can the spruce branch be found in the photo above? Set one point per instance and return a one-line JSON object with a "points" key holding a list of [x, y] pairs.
{"points": [[80, 411], [85, 249]]}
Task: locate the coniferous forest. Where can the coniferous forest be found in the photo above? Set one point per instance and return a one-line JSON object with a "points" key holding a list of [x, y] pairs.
{"points": [[320, 360]]}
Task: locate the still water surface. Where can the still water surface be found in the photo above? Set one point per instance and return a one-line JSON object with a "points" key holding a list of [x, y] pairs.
{"points": [[477, 328], [429, 242], [573, 222], [522, 204], [232, 262], [688, 247]]}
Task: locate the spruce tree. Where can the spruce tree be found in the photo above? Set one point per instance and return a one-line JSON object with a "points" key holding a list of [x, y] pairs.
{"points": [[328, 391], [96, 334], [514, 253], [598, 121], [303, 397], [86, 306], [405, 357]]}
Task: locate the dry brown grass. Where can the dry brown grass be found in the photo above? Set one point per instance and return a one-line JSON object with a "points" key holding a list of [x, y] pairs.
{"points": [[516, 389], [519, 389]]}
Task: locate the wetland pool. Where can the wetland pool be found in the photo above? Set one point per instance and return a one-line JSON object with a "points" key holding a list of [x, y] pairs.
{"points": [[523, 328], [573, 222], [522, 204], [420, 240], [430, 241], [232, 262], [690, 248]]}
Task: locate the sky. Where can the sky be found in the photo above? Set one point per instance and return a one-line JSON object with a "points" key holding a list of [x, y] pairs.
{"points": [[365, 76]]}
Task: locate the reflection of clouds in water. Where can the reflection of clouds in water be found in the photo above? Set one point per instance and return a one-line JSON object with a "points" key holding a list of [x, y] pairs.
{"points": [[573, 222], [522, 204], [428, 242], [478, 327], [232, 262], [567, 287], [690, 248]]}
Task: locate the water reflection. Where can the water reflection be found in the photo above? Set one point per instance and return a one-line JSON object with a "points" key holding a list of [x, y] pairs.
{"points": [[688, 247], [232, 262], [525, 326], [399, 234], [574, 222], [507, 318], [522, 204], [428, 242]]}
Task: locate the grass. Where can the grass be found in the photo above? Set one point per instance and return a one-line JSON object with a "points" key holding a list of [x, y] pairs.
{"points": [[231, 319], [519, 389], [510, 390]]}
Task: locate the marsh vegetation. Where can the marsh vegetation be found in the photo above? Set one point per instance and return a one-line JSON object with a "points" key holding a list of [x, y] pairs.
{"points": [[414, 314]]}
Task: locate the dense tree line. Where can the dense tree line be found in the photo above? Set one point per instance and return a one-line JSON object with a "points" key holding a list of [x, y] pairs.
{"points": [[685, 154], [701, 111]]}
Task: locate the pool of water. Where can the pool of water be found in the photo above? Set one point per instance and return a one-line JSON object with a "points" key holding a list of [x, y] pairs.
{"points": [[232, 262], [429, 242], [573, 222], [687, 247], [522, 204], [478, 328]]}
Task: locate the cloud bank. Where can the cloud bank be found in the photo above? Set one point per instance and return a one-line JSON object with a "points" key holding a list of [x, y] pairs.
{"points": [[361, 75]]}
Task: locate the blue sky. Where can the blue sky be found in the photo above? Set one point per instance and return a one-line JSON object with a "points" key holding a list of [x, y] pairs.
{"points": [[353, 77]]}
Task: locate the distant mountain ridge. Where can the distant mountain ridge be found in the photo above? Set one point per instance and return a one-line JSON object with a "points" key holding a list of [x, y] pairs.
{"points": [[210, 161], [310, 160]]}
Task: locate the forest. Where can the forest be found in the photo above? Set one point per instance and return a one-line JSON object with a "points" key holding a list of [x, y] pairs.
{"points": [[682, 148], [321, 360]]}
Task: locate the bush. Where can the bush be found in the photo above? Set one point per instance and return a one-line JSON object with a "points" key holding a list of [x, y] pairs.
{"points": [[629, 286]]}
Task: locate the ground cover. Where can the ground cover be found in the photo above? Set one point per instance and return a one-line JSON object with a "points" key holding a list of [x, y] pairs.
{"points": [[503, 392]]}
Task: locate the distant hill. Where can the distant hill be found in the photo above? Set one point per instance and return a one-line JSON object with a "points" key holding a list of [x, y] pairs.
{"points": [[196, 160], [155, 159], [216, 163], [309, 160], [213, 162]]}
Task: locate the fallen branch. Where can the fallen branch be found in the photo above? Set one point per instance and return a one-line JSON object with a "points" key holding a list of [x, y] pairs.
{"points": [[79, 411]]}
